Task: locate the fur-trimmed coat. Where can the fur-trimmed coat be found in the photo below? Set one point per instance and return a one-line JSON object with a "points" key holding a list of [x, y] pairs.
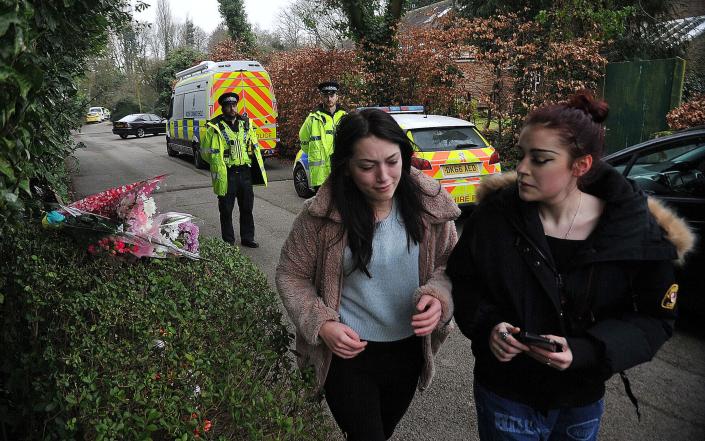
{"points": [[612, 300], [309, 276]]}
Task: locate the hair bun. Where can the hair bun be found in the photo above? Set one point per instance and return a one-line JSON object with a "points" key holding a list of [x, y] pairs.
{"points": [[584, 100]]}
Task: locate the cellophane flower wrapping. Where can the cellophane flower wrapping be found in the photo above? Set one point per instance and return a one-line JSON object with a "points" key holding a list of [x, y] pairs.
{"points": [[124, 221]]}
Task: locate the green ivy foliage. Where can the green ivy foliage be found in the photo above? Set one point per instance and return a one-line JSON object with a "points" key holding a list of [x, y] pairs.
{"points": [[101, 349], [43, 49]]}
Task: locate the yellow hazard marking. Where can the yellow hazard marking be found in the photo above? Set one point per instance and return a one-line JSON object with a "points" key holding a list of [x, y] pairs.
{"points": [[669, 299]]}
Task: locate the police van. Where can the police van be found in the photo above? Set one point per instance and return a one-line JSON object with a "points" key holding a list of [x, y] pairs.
{"points": [[194, 101], [450, 150]]}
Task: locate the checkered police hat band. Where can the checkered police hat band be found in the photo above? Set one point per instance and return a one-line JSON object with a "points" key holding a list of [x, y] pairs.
{"points": [[329, 89], [230, 99]]}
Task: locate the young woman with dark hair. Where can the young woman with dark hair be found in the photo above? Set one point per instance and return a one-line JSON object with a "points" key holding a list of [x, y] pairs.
{"points": [[568, 250], [362, 276]]}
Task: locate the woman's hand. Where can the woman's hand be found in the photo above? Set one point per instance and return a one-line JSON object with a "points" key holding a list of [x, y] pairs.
{"points": [[426, 321], [341, 339], [503, 345], [556, 360]]}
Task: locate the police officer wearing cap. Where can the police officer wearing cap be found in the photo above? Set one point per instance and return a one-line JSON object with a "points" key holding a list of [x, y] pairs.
{"points": [[318, 131], [231, 147]]}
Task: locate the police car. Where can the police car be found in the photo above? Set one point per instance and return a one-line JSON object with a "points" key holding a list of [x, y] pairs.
{"points": [[450, 150]]}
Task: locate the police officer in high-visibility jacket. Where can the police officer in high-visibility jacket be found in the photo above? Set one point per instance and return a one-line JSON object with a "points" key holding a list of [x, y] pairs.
{"points": [[231, 147], [318, 131]]}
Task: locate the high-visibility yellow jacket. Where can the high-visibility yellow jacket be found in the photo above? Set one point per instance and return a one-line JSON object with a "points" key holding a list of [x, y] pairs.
{"points": [[316, 135], [222, 147]]}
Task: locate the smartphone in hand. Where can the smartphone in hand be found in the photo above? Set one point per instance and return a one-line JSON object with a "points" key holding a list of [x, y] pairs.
{"points": [[531, 339]]}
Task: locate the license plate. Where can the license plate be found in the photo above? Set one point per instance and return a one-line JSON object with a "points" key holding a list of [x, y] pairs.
{"points": [[460, 169], [464, 199]]}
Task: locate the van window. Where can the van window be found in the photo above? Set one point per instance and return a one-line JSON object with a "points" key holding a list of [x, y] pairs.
{"points": [[194, 104], [199, 104], [178, 107], [189, 100]]}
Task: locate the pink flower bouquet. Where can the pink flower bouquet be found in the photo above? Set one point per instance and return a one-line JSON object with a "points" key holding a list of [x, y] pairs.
{"points": [[126, 222]]}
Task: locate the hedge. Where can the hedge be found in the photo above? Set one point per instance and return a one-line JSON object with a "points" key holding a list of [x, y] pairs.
{"points": [[688, 114], [98, 349]]}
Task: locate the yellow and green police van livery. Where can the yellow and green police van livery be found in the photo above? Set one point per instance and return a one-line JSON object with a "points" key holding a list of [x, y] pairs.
{"points": [[195, 101], [450, 150]]}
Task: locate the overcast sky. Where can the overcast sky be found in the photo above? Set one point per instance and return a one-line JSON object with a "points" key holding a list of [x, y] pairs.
{"points": [[204, 13]]}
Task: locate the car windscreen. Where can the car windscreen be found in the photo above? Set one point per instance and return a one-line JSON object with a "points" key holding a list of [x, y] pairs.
{"points": [[131, 118], [95, 109], [447, 138]]}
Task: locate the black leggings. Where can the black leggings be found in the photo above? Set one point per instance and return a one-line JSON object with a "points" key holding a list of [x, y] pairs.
{"points": [[369, 394]]}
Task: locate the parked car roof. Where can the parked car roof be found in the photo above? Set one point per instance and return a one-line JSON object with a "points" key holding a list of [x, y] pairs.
{"points": [[411, 121], [134, 116], [685, 133]]}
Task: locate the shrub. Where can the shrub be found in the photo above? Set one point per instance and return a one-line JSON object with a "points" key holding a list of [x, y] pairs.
{"points": [[688, 114], [124, 106], [154, 349], [295, 75]]}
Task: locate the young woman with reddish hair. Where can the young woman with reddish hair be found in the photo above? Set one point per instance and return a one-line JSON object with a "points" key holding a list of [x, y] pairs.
{"points": [[569, 250]]}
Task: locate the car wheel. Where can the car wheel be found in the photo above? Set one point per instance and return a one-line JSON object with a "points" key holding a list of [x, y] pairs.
{"points": [[197, 160], [301, 182], [140, 132], [169, 150], [123, 136]]}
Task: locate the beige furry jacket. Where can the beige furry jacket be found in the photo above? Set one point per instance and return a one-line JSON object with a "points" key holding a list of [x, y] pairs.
{"points": [[309, 276]]}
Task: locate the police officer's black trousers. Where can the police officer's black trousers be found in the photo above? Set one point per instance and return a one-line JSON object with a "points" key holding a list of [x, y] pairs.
{"points": [[240, 188]]}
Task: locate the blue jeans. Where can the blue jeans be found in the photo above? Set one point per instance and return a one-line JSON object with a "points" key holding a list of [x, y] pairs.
{"points": [[500, 419]]}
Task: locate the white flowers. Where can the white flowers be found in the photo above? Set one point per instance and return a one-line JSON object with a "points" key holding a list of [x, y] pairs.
{"points": [[150, 207]]}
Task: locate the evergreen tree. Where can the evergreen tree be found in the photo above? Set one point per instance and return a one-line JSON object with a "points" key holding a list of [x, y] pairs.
{"points": [[233, 12], [373, 25], [189, 33]]}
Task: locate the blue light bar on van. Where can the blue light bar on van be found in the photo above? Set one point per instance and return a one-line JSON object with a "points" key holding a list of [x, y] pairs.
{"points": [[396, 109]]}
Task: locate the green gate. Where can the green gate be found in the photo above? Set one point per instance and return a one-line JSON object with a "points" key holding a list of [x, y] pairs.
{"points": [[640, 94]]}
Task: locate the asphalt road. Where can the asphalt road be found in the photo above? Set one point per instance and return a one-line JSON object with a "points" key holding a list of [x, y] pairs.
{"points": [[670, 389]]}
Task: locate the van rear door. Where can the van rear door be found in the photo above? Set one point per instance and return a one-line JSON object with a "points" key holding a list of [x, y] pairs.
{"points": [[256, 101]]}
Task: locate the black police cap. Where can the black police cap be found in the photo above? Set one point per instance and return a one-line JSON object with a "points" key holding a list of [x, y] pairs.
{"points": [[329, 87], [229, 97]]}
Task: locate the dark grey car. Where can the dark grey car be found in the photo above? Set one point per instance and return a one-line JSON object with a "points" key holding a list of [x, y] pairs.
{"points": [[672, 168]]}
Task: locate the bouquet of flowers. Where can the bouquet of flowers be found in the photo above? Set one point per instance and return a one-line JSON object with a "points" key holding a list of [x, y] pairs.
{"points": [[124, 221]]}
